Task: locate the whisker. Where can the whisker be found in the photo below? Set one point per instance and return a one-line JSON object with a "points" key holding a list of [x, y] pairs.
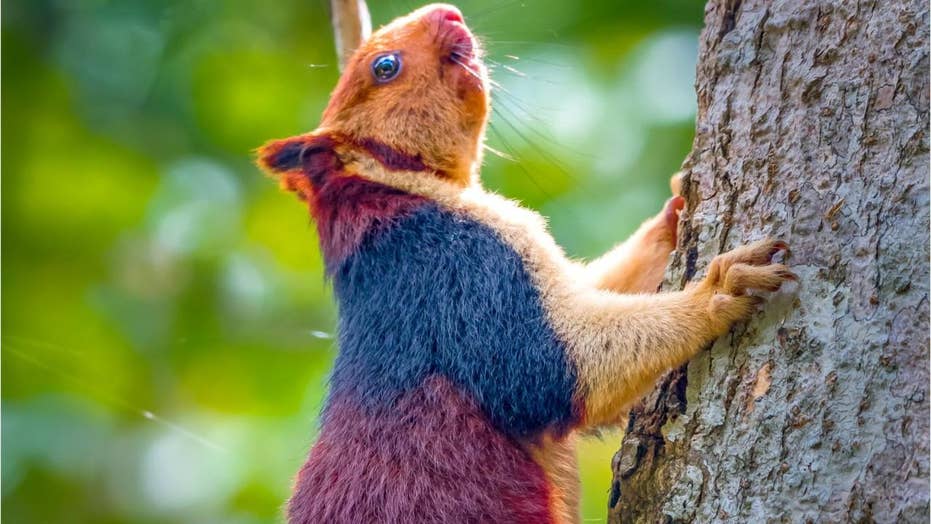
{"points": [[513, 70], [517, 72], [543, 153], [181, 430], [537, 61], [519, 164], [110, 399], [529, 43], [497, 7], [523, 109], [497, 153], [507, 68], [454, 58]]}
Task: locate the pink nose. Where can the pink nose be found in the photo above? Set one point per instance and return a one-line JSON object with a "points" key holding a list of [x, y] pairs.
{"points": [[445, 13]]}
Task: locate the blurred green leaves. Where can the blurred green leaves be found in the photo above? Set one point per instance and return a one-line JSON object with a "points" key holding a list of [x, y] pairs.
{"points": [[167, 328]]}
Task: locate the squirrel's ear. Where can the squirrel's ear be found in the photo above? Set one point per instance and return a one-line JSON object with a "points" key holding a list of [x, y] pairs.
{"points": [[299, 162], [279, 156]]}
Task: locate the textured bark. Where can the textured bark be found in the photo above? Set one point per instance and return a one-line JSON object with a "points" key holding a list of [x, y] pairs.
{"points": [[813, 127]]}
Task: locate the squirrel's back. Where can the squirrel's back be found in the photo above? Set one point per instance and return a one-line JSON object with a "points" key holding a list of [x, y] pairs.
{"points": [[432, 387]]}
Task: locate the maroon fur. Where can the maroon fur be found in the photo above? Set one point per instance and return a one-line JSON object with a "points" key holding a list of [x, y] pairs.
{"points": [[392, 158], [432, 457], [301, 163], [347, 208], [319, 159]]}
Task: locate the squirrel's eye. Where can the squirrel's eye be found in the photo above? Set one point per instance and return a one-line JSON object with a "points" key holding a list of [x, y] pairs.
{"points": [[386, 67]]}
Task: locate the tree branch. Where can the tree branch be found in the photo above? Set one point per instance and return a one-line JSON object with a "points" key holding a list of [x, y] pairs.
{"points": [[352, 25]]}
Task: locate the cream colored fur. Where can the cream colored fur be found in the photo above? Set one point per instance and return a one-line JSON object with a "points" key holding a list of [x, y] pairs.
{"points": [[637, 265]]}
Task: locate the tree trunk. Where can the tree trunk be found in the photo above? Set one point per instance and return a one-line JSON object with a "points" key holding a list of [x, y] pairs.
{"points": [[813, 127]]}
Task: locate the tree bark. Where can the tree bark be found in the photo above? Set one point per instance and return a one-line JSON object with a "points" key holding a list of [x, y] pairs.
{"points": [[813, 127]]}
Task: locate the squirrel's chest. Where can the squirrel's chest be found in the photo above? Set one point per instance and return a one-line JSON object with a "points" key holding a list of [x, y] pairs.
{"points": [[440, 294], [433, 280], [438, 269]]}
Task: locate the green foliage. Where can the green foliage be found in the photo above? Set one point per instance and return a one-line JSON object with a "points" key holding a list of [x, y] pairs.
{"points": [[166, 325]]}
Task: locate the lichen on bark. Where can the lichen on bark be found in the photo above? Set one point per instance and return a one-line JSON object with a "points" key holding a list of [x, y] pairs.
{"points": [[813, 127]]}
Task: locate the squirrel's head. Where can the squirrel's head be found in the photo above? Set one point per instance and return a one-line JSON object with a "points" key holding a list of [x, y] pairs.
{"points": [[414, 93]]}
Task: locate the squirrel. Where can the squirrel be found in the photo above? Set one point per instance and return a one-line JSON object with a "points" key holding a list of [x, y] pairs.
{"points": [[472, 350]]}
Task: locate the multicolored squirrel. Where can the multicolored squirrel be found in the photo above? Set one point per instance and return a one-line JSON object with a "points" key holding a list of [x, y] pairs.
{"points": [[471, 349]]}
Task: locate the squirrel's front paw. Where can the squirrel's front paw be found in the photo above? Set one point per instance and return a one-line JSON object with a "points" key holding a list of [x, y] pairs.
{"points": [[671, 211], [675, 183], [732, 274], [662, 230]]}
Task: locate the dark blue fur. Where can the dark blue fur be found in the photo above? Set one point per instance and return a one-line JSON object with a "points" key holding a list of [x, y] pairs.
{"points": [[439, 293]]}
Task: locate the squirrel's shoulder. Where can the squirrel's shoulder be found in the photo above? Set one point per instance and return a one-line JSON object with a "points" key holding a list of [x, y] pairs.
{"points": [[523, 230]]}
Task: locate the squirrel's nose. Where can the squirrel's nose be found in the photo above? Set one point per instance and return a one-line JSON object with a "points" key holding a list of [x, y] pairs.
{"points": [[444, 13]]}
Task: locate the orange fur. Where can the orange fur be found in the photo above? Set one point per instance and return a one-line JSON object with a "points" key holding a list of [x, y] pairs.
{"points": [[557, 457], [620, 337], [444, 108], [291, 179]]}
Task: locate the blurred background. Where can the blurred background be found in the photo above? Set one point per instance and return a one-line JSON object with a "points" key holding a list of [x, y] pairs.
{"points": [[166, 328]]}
